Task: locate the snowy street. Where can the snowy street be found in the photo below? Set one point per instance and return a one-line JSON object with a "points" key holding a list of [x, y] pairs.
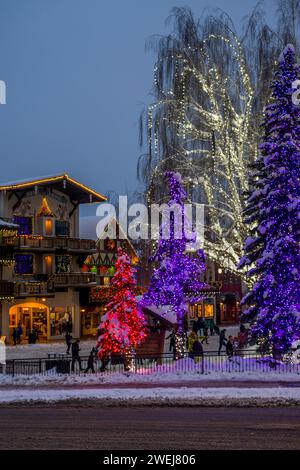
{"points": [[101, 428]]}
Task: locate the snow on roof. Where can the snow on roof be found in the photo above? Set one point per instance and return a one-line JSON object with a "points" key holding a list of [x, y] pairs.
{"points": [[165, 312], [80, 188], [29, 180], [3, 223]]}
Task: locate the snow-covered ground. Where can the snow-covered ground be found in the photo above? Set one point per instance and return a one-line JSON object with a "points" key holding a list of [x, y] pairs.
{"points": [[28, 351], [192, 396], [156, 377]]}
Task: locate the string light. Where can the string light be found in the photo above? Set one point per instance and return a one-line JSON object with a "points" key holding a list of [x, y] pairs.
{"points": [[214, 138]]}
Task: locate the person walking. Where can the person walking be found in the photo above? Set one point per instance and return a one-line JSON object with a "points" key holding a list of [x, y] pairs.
{"points": [[75, 354], [190, 342], [230, 347], [197, 350], [14, 336], [211, 326], [172, 345], [200, 326], [68, 339], [19, 333], [222, 341], [90, 362], [205, 332]]}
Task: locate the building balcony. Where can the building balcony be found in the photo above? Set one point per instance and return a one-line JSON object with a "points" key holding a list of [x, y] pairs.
{"points": [[6, 290], [33, 289], [48, 244], [73, 280]]}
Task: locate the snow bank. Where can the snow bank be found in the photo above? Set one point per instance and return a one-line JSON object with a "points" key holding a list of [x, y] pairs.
{"points": [[156, 395], [156, 377]]}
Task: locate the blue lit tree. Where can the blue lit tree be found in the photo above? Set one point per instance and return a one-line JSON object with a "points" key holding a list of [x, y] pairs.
{"points": [[272, 251], [177, 278]]}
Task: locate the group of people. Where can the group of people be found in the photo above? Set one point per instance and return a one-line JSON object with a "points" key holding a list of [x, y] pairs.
{"points": [[74, 346], [200, 333], [233, 343]]}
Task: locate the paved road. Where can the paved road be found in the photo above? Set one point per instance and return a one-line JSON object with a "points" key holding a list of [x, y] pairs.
{"points": [[92, 427]]}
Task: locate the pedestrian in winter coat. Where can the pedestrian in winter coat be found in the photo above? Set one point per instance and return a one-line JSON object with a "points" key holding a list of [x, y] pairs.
{"points": [[205, 332], [14, 336], [191, 340], [230, 347], [19, 333], [90, 362], [200, 325], [75, 354], [172, 345], [68, 339], [216, 329], [197, 350], [211, 325], [222, 341]]}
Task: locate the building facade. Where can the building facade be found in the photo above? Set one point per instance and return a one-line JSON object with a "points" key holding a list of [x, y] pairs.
{"points": [[43, 255]]}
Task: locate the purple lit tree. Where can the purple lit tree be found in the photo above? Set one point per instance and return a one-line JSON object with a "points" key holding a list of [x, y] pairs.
{"points": [[272, 254], [177, 279]]}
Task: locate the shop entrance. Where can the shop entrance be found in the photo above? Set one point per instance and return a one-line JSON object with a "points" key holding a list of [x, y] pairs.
{"points": [[30, 316]]}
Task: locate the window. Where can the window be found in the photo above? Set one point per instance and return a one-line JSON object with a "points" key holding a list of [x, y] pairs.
{"points": [[208, 311], [48, 264], [48, 227], [63, 263], [25, 225], [106, 281], [62, 228], [23, 264]]}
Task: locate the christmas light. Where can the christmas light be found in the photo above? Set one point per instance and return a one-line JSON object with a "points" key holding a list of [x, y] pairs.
{"points": [[272, 254], [201, 124], [177, 279], [123, 326]]}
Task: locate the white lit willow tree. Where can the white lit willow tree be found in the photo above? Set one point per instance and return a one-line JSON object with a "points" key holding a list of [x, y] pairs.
{"points": [[210, 88]]}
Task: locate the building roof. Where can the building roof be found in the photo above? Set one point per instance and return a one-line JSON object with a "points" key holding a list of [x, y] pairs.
{"points": [[63, 182]]}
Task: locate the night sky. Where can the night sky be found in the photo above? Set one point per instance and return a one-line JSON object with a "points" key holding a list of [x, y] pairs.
{"points": [[77, 78]]}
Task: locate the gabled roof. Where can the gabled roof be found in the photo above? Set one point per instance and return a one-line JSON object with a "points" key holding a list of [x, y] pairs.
{"points": [[88, 225], [62, 182]]}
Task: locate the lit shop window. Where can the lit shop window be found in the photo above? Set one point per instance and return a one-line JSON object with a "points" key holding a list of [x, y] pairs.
{"points": [[208, 310]]}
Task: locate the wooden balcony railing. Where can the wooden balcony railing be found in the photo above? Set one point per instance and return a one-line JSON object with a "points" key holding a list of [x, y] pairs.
{"points": [[56, 243], [74, 279], [33, 288]]}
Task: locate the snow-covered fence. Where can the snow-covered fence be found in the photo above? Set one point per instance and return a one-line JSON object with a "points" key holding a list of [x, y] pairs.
{"points": [[209, 363]]}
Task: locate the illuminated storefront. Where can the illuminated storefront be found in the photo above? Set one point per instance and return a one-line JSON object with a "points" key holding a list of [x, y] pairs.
{"points": [[48, 322], [205, 309]]}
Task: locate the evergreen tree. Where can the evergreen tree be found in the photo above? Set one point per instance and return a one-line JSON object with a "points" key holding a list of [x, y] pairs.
{"points": [[272, 255], [123, 326], [176, 280]]}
